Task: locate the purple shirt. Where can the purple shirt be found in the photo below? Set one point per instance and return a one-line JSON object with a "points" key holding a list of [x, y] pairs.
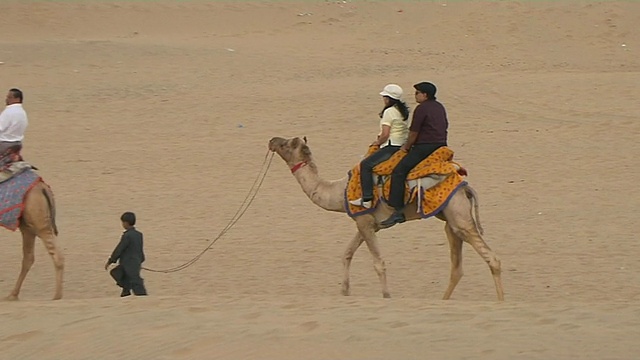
{"points": [[430, 122]]}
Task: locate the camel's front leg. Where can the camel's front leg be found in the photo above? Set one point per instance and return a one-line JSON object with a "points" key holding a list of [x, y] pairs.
{"points": [[367, 231], [28, 258], [353, 245], [378, 265]]}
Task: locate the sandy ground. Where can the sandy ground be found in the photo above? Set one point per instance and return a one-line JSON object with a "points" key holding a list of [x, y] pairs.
{"points": [[166, 108]]}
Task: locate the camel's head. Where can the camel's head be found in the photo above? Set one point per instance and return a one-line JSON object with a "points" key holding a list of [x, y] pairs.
{"points": [[294, 151]]}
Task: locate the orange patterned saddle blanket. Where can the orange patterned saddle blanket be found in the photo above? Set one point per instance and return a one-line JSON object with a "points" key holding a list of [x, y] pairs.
{"points": [[433, 181]]}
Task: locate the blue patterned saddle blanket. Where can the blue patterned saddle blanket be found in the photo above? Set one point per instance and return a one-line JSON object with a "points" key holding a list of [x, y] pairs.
{"points": [[12, 194]]}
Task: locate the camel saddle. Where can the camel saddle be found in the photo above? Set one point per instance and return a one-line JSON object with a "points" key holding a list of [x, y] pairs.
{"points": [[439, 162], [433, 181]]}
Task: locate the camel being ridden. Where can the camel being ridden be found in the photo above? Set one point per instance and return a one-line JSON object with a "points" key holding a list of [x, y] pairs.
{"points": [[28, 204], [460, 224]]}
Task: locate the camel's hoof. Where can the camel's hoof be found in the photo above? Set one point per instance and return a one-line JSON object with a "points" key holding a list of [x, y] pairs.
{"points": [[386, 295], [346, 292], [11, 298], [57, 297]]}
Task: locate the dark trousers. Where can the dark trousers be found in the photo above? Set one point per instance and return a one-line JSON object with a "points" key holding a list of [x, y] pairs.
{"points": [[366, 169], [128, 280], [417, 153], [10, 152], [15, 146]]}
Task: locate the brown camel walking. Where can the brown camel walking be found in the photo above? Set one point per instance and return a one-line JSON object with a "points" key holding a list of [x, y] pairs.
{"points": [[460, 225], [38, 219]]}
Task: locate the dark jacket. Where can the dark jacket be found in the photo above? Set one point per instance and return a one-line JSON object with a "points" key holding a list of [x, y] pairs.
{"points": [[430, 122], [129, 251]]}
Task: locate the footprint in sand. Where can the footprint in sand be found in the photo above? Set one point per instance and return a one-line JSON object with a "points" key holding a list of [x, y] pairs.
{"points": [[82, 320], [22, 336], [252, 316], [567, 326], [198, 309], [309, 325], [398, 324], [546, 321]]}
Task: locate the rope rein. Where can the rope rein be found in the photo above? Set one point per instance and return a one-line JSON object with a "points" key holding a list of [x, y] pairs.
{"points": [[253, 191]]}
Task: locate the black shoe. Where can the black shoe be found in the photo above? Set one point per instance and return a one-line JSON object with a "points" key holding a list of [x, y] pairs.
{"points": [[395, 218], [125, 293]]}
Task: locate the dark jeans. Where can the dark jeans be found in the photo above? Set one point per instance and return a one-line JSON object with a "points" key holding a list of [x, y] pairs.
{"points": [[366, 169], [128, 281], [417, 153]]}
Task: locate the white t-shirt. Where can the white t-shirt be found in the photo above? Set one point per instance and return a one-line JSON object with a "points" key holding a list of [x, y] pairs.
{"points": [[399, 128], [13, 123]]}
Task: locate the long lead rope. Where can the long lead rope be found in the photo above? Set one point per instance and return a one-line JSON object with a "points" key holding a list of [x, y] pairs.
{"points": [[253, 191]]}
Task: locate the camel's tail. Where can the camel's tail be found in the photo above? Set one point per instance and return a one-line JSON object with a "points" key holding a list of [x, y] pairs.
{"points": [[473, 196], [52, 209]]}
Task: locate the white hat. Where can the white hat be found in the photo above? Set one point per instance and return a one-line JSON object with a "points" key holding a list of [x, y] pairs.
{"points": [[393, 91]]}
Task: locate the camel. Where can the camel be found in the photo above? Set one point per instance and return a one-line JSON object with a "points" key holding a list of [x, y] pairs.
{"points": [[38, 219], [460, 224]]}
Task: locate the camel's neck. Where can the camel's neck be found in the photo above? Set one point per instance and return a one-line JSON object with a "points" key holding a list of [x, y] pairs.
{"points": [[328, 195]]}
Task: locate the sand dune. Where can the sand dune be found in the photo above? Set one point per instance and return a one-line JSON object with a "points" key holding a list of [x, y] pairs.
{"points": [[166, 108]]}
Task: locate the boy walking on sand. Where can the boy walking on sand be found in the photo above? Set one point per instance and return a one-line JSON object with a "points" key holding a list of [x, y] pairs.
{"points": [[130, 254]]}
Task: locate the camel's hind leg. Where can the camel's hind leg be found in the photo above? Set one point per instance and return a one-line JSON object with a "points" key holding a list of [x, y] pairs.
{"points": [[28, 258], [455, 248], [38, 218], [460, 219], [353, 245], [50, 242], [481, 247]]}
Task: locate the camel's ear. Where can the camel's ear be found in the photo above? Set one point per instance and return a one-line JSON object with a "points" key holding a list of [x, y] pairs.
{"points": [[305, 139], [295, 142]]}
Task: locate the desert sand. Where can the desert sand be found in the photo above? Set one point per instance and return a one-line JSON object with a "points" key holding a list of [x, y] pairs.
{"points": [[166, 108]]}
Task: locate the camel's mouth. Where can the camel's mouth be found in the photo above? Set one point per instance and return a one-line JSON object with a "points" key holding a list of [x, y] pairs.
{"points": [[275, 142]]}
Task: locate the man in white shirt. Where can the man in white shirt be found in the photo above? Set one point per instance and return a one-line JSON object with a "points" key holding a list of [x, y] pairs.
{"points": [[13, 123]]}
